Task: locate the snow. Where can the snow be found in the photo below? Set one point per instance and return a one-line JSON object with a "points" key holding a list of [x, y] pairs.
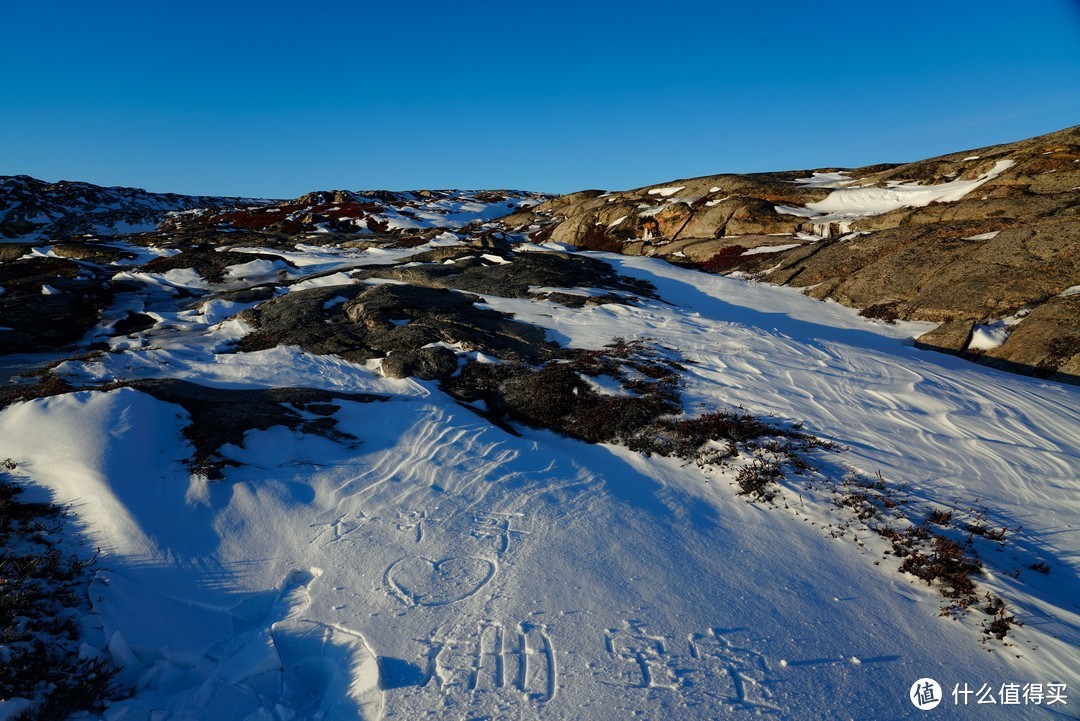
{"points": [[217, 310], [176, 278], [667, 192], [848, 204], [827, 180], [323, 281], [606, 385], [988, 336], [587, 292], [771, 248], [257, 271], [983, 236], [442, 567], [10, 708], [1073, 290]]}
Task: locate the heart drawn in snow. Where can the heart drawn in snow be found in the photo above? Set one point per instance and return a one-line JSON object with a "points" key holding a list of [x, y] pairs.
{"points": [[423, 582]]}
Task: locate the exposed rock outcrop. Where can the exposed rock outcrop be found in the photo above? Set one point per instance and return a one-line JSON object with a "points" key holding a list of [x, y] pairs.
{"points": [[970, 237], [65, 209]]}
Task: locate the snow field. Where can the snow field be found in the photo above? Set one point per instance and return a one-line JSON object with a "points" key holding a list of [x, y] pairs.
{"points": [[444, 568]]}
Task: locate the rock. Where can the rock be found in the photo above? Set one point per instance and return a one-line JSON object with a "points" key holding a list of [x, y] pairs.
{"points": [[1045, 343], [208, 262], [221, 415], [710, 221], [1010, 244], [12, 251], [514, 279], [950, 337], [939, 273], [424, 363], [489, 241], [248, 295], [68, 209], [759, 217], [359, 244], [133, 323], [301, 318], [672, 219], [91, 252], [376, 321], [407, 318], [49, 303]]}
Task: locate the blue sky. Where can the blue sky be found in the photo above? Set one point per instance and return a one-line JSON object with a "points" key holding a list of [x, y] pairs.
{"points": [[269, 99]]}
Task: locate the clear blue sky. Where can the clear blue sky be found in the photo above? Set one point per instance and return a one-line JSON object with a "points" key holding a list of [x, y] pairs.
{"points": [[274, 99]]}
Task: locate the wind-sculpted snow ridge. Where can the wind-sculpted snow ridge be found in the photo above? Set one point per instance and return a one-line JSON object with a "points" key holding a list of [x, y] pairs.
{"points": [[345, 476]]}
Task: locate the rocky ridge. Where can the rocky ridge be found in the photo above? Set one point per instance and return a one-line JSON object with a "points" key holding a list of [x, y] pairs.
{"points": [[985, 241], [32, 209]]}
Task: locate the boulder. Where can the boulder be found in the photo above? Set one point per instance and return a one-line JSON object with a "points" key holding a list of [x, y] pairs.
{"points": [[427, 364], [12, 251], [950, 337], [91, 252], [1046, 343]]}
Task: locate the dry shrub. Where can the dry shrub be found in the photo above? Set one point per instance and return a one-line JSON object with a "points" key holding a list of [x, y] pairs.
{"points": [[888, 312], [596, 238], [724, 260], [42, 593]]}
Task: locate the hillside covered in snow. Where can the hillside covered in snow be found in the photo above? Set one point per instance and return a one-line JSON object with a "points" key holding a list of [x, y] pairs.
{"points": [[407, 455]]}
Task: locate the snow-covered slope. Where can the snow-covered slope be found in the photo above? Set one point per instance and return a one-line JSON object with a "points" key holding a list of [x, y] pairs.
{"points": [[425, 562]]}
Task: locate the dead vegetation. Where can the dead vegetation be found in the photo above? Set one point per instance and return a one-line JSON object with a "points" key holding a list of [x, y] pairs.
{"points": [[43, 587], [641, 409], [931, 546]]}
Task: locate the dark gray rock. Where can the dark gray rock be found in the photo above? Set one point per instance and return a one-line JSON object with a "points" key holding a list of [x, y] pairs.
{"points": [[92, 252], [515, 279], [379, 320], [221, 415], [424, 363], [49, 303]]}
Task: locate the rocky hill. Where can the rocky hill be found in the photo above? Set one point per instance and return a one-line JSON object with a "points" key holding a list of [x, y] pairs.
{"points": [[419, 214], [985, 242], [75, 253], [32, 209]]}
